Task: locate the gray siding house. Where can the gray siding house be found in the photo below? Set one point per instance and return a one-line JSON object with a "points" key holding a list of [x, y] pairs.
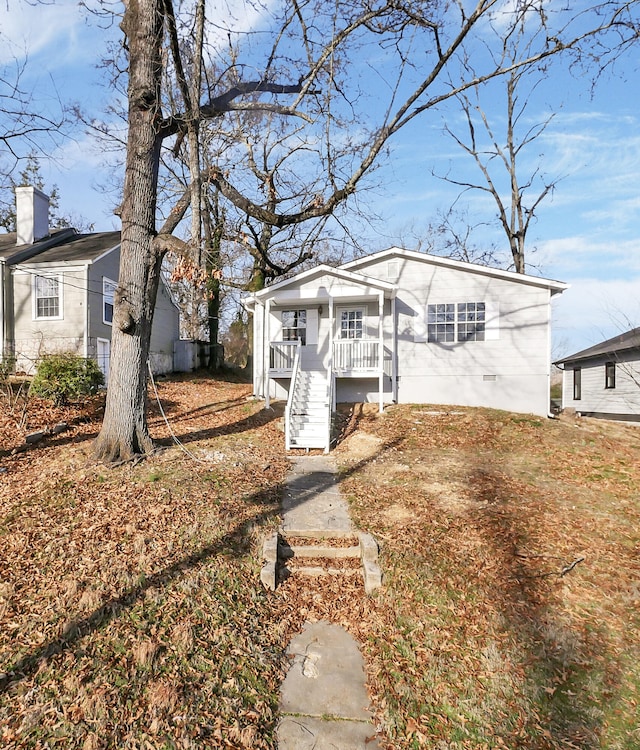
{"points": [[56, 292], [400, 327], [604, 380]]}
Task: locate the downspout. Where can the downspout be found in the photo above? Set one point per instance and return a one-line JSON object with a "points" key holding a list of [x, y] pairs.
{"points": [[86, 315], [394, 352], [2, 325], [258, 346], [331, 362], [550, 414], [381, 352], [266, 355]]}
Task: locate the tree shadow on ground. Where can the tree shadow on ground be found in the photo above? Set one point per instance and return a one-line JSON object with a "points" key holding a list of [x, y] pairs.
{"points": [[561, 660], [237, 541]]}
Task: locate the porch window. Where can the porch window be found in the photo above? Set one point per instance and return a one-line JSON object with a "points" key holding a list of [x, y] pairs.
{"points": [[294, 326], [448, 322], [610, 375], [108, 294], [352, 324], [47, 291]]}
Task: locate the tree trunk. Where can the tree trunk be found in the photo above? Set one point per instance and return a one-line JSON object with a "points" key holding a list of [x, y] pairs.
{"points": [[124, 431]]}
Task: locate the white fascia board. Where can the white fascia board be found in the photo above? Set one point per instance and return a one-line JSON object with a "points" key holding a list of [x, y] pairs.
{"points": [[340, 273], [105, 253], [551, 284]]}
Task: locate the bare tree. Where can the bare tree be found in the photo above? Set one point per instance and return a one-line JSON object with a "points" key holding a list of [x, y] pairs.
{"points": [[498, 158], [28, 125], [302, 77]]}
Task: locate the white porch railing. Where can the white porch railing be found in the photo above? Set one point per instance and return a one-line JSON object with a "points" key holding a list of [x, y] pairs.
{"points": [[295, 367], [356, 355], [282, 355]]}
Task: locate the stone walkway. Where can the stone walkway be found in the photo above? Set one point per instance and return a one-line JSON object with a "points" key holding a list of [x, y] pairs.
{"points": [[323, 701]]}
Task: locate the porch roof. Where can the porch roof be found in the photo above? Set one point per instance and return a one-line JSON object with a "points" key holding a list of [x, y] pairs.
{"points": [[279, 289]]}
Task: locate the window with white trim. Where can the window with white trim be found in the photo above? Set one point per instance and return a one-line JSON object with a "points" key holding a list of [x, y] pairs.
{"points": [[610, 375], [47, 295], [449, 322], [577, 383], [352, 323], [294, 326], [108, 298]]}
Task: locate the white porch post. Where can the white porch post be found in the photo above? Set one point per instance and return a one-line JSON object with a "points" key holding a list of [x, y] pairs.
{"points": [[381, 352], [394, 352], [267, 355], [333, 391]]}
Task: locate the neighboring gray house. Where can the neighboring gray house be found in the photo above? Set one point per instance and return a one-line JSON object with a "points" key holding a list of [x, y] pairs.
{"points": [[400, 327], [604, 380], [56, 292]]}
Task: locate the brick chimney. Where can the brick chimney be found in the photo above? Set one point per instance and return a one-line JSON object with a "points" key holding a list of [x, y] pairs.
{"points": [[32, 215]]}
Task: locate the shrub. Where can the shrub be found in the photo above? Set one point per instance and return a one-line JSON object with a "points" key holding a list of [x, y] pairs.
{"points": [[61, 377], [7, 365]]}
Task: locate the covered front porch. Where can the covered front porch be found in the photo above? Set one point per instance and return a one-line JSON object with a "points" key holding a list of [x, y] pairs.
{"points": [[323, 334], [344, 337]]}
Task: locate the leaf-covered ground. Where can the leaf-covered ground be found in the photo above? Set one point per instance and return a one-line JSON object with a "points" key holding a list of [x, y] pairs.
{"points": [[511, 547], [131, 613]]}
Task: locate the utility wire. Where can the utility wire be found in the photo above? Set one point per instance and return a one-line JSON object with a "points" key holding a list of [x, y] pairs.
{"points": [[176, 440]]}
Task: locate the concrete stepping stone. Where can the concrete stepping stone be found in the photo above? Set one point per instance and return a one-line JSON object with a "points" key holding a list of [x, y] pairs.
{"points": [[324, 702]]}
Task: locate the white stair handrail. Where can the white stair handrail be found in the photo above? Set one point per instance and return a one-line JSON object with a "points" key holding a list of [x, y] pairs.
{"points": [[292, 390], [330, 397]]}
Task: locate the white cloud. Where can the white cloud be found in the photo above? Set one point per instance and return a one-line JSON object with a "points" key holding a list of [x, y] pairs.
{"points": [[28, 30]]}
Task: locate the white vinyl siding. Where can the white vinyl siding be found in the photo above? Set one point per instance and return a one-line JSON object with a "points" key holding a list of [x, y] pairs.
{"points": [[599, 393]]}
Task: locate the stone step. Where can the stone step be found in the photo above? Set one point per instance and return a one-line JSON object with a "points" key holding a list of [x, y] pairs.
{"points": [[283, 560], [325, 551]]}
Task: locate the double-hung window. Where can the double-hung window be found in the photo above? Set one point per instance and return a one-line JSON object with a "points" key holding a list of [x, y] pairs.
{"points": [[577, 383], [294, 326], [449, 322], [47, 291], [610, 375], [108, 297]]}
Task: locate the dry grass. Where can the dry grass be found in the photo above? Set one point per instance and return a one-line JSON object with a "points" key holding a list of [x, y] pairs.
{"points": [[478, 639], [131, 614]]}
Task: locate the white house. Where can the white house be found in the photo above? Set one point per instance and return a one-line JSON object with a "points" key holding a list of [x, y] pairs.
{"points": [[57, 288], [400, 327], [604, 380]]}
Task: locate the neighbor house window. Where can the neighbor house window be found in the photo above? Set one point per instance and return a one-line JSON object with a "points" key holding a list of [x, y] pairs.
{"points": [[351, 324], [47, 297], [577, 383], [294, 325], [610, 375], [108, 296], [447, 323]]}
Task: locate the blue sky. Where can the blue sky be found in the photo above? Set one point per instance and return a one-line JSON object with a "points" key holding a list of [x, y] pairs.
{"points": [[587, 234]]}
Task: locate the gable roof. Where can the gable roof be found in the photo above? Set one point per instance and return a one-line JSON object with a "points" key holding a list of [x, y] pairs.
{"points": [[323, 268], [68, 248], [622, 342], [12, 253], [555, 287]]}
